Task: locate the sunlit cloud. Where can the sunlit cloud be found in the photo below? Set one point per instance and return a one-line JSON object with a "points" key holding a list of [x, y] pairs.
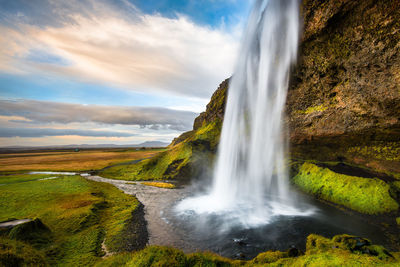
{"points": [[133, 51], [166, 65]]}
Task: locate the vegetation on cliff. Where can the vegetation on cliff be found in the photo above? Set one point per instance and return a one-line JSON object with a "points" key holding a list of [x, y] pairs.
{"points": [[188, 155], [365, 195]]}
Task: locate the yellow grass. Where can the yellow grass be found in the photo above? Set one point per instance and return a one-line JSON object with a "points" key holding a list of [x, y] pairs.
{"points": [[160, 184], [70, 161]]}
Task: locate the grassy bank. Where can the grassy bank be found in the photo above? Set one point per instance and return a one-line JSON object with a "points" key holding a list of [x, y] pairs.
{"points": [[181, 159], [79, 214], [342, 250], [365, 195], [71, 161]]}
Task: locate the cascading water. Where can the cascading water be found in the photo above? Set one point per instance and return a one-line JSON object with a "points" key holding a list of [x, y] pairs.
{"points": [[250, 181]]}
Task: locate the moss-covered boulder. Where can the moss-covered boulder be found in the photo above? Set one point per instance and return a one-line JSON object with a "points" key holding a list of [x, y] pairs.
{"points": [[365, 195], [34, 232], [346, 243]]}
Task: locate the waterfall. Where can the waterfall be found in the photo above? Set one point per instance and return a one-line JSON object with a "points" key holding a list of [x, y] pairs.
{"points": [[250, 179]]}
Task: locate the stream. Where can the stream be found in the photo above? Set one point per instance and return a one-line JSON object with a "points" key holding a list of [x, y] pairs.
{"points": [[191, 232]]}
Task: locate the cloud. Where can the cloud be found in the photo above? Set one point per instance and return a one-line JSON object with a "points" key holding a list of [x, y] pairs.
{"points": [[102, 43], [53, 112], [42, 132]]}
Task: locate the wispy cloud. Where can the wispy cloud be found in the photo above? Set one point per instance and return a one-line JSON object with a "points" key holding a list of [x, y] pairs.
{"points": [[130, 50], [43, 132], [53, 112]]}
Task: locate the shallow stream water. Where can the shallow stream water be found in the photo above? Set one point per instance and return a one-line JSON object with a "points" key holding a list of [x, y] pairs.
{"points": [[191, 232]]}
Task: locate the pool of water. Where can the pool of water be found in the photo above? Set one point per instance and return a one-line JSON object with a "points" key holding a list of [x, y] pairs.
{"points": [[207, 232], [191, 232]]}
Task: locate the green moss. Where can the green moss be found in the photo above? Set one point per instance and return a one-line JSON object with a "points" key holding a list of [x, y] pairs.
{"points": [[33, 232], [158, 256], [168, 164], [397, 184], [210, 259], [380, 150], [398, 221], [370, 196], [341, 250], [17, 253], [156, 168], [269, 257], [166, 256], [79, 213], [344, 244], [313, 109]]}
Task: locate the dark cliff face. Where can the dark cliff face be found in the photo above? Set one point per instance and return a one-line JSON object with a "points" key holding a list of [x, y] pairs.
{"points": [[344, 100]]}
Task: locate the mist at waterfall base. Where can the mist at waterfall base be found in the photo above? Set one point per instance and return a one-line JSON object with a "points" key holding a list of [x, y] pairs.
{"points": [[250, 186]]}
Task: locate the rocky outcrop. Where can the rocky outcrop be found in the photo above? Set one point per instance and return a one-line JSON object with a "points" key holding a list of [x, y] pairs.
{"points": [[214, 112], [344, 99]]}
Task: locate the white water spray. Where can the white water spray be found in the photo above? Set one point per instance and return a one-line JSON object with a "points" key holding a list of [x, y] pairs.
{"points": [[250, 180]]}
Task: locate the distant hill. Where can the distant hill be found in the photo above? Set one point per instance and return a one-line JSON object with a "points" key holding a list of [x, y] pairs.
{"points": [[81, 146]]}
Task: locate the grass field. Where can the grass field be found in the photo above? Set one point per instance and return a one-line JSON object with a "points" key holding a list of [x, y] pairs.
{"points": [[79, 213], [84, 160]]}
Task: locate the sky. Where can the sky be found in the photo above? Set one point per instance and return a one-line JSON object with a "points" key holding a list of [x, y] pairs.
{"points": [[111, 71]]}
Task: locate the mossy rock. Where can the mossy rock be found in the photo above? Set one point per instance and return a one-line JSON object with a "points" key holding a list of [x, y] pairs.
{"points": [[317, 244], [341, 250], [34, 232], [158, 256], [269, 257], [365, 195]]}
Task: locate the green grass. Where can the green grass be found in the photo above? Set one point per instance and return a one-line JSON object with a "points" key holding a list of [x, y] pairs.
{"points": [[167, 164], [365, 195], [17, 253], [341, 250], [78, 212], [14, 178], [166, 256], [155, 168]]}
